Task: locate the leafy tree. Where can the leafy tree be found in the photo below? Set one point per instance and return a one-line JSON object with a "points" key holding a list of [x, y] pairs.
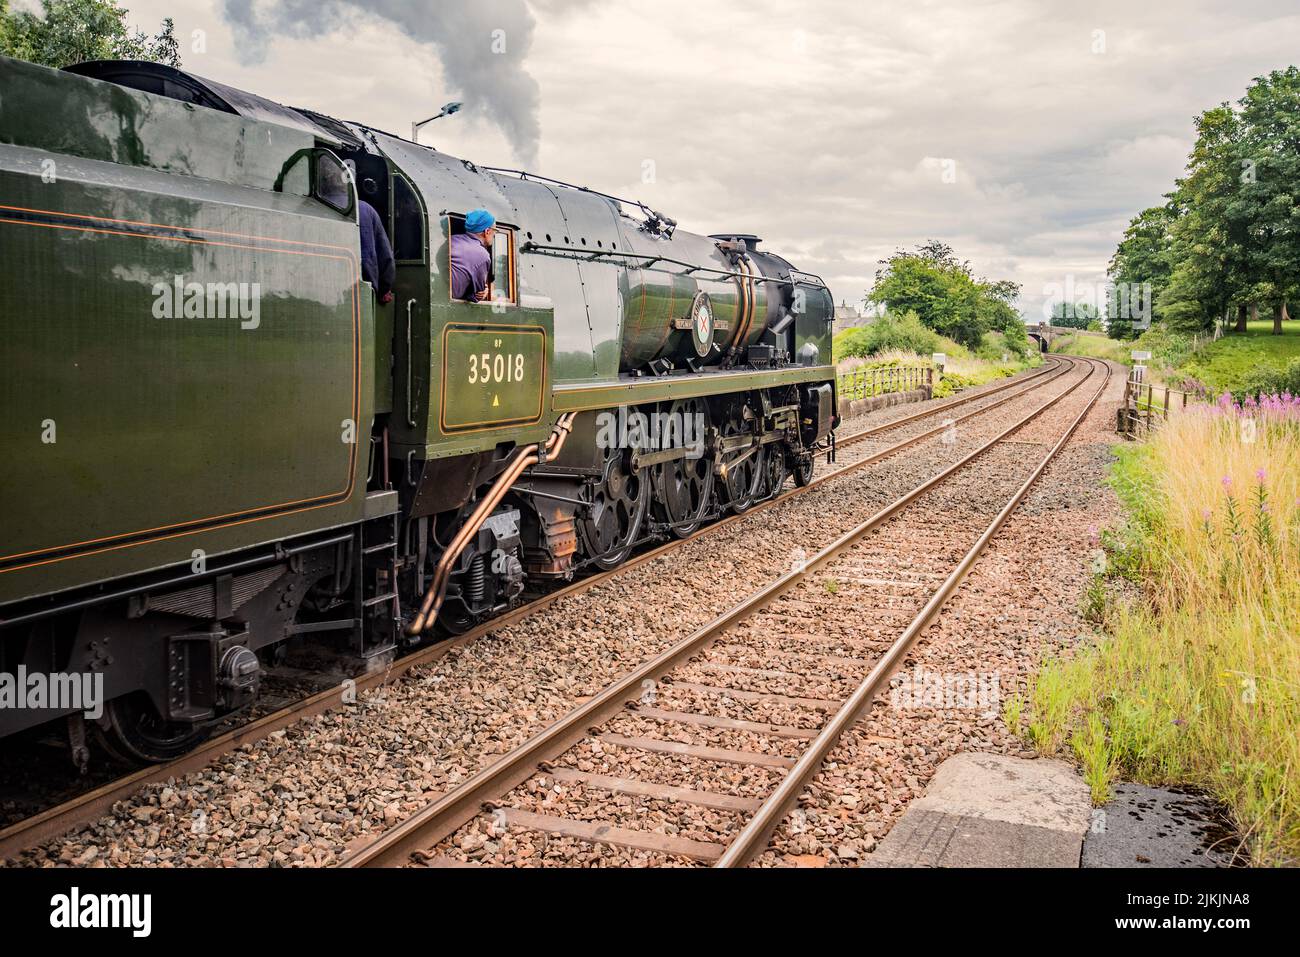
{"points": [[71, 31], [1144, 255], [1118, 328], [1016, 337], [1208, 243], [943, 293], [1268, 203], [1228, 239], [1077, 315]]}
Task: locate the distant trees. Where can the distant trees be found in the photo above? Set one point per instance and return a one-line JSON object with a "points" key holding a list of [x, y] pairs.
{"points": [[943, 293], [1227, 241], [70, 31], [1077, 315]]}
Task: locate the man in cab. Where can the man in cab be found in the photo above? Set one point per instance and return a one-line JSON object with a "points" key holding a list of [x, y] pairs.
{"points": [[471, 257]]}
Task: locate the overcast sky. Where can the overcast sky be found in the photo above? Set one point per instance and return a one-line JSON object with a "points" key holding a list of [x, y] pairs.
{"points": [[1025, 134]]}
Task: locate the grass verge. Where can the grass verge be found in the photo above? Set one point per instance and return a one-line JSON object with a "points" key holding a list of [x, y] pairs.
{"points": [[1196, 680]]}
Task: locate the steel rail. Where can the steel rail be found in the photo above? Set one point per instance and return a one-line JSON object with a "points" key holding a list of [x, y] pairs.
{"points": [[1056, 371], [67, 815], [754, 837], [449, 811], [955, 401]]}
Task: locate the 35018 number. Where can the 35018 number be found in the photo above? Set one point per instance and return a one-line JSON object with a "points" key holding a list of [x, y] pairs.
{"points": [[491, 369]]}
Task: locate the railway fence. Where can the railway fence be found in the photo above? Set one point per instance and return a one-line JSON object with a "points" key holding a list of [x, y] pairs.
{"points": [[1146, 406], [865, 383]]}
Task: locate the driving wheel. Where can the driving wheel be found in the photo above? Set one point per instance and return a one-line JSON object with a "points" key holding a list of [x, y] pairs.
{"points": [[684, 487], [611, 523]]}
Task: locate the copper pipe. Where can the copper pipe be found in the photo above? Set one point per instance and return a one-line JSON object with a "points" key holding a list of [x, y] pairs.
{"points": [[525, 458]]}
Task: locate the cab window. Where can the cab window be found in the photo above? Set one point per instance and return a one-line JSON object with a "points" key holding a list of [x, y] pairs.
{"points": [[333, 182], [408, 223], [503, 265], [502, 279]]}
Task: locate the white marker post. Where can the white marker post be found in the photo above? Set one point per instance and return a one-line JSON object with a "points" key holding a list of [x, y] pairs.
{"points": [[1140, 371]]}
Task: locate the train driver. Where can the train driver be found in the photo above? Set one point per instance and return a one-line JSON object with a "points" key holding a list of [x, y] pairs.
{"points": [[377, 265], [471, 256]]}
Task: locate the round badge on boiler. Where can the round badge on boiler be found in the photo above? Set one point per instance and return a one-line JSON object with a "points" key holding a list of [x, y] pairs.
{"points": [[702, 324]]}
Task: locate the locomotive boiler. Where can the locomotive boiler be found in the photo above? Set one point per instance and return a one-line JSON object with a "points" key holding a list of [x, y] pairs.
{"points": [[219, 448]]}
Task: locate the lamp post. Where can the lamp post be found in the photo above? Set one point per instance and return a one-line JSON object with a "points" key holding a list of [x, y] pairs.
{"points": [[447, 110]]}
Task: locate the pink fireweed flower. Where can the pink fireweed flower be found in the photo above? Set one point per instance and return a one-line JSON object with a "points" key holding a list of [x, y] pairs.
{"points": [[1227, 482], [1261, 475]]}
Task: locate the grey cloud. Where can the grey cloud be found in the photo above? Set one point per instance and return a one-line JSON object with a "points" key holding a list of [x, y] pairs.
{"points": [[810, 124], [480, 47]]}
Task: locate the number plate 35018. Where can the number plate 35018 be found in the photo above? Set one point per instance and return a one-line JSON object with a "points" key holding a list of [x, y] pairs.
{"points": [[492, 376]]}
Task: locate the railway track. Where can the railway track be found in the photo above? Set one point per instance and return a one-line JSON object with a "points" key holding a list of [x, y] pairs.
{"points": [[858, 448], [895, 595]]}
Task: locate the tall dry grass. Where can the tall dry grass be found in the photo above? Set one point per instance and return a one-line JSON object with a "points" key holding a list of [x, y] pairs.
{"points": [[1198, 681]]}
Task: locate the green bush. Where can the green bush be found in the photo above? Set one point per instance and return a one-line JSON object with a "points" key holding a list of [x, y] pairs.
{"points": [[1167, 348], [994, 345], [888, 333], [1268, 380], [951, 382]]}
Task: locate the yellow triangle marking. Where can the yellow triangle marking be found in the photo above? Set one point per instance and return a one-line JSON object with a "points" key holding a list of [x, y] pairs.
{"points": [[496, 401]]}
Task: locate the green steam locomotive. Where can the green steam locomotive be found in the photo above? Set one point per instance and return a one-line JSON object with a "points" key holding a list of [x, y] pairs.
{"points": [[218, 446]]}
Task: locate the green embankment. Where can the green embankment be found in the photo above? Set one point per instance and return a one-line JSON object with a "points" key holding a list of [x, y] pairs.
{"points": [[1253, 361]]}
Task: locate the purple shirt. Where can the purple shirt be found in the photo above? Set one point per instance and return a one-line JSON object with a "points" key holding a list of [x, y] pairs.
{"points": [[470, 260]]}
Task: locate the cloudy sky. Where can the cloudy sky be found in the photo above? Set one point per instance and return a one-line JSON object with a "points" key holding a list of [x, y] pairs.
{"points": [[1023, 133]]}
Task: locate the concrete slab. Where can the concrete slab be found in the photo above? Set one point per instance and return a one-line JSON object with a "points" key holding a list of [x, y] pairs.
{"points": [[990, 810], [1157, 827]]}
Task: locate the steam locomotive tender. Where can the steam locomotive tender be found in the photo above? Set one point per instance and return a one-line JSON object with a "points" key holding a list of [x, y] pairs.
{"points": [[218, 447]]}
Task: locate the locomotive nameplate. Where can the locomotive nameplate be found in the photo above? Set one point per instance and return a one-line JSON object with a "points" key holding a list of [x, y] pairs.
{"points": [[493, 376]]}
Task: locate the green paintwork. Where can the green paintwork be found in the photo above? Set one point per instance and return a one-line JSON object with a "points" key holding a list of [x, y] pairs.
{"points": [[573, 397], [171, 435], [103, 121]]}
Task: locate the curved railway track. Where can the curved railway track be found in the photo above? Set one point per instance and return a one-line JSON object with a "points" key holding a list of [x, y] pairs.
{"points": [[886, 581], [83, 808]]}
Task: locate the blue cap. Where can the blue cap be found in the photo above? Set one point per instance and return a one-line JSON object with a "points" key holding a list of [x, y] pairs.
{"points": [[479, 220]]}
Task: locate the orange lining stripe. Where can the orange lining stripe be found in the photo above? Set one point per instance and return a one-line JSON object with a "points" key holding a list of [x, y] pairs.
{"points": [[141, 222]]}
